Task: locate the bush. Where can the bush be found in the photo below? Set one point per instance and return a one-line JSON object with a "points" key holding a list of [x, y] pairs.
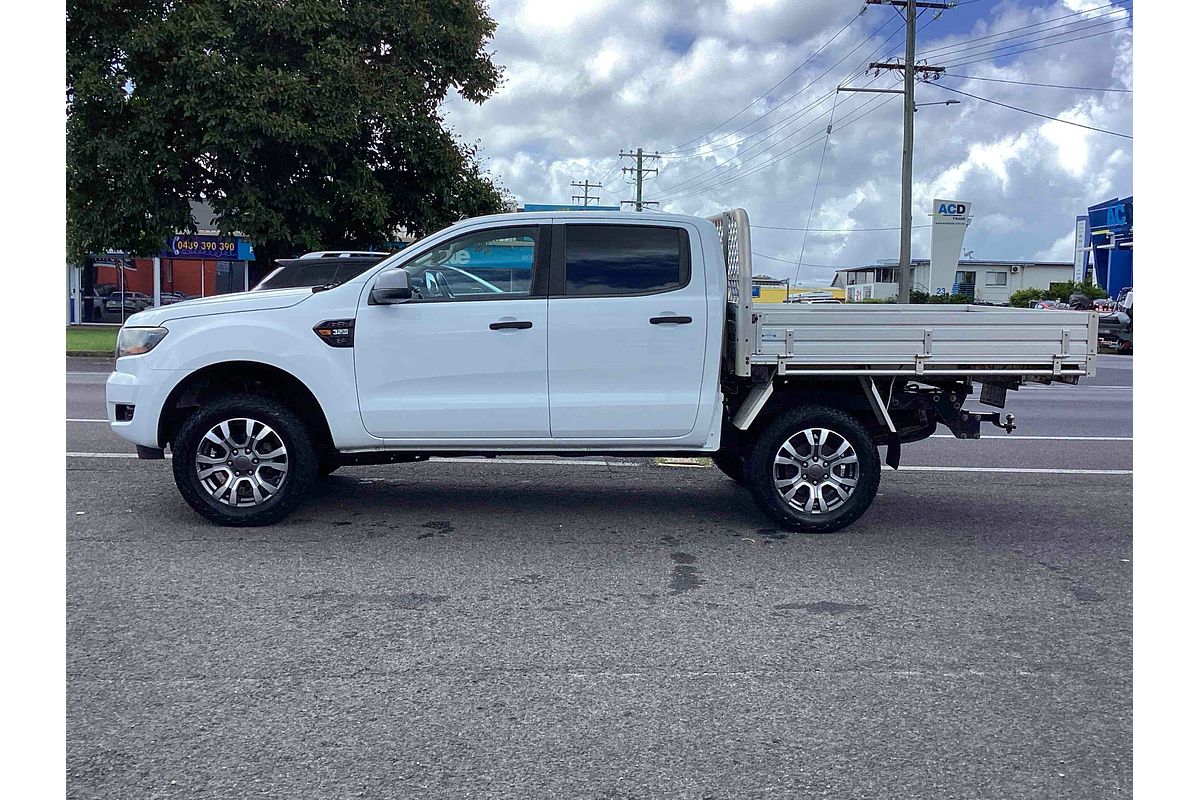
{"points": [[1064, 289], [1023, 297], [917, 297]]}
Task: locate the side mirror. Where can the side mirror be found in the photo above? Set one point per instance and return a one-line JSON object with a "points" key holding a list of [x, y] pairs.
{"points": [[390, 288]]}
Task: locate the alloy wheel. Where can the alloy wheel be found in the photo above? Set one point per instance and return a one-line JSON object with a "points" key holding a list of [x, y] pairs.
{"points": [[816, 471], [241, 462]]}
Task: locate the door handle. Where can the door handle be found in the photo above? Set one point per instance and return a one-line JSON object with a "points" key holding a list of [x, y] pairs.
{"points": [[670, 320], [501, 326]]}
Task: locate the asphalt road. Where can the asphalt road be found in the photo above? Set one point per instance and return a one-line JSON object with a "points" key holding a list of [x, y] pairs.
{"points": [[623, 630]]}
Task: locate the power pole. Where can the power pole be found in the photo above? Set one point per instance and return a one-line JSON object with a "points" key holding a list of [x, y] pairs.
{"points": [[910, 70], [585, 197], [639, 172]]}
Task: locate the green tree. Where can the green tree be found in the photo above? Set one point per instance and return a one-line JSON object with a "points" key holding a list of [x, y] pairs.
{"points": [[305, 123]]}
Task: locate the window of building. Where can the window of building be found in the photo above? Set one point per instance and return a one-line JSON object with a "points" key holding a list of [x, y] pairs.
{"points": [[623, 259], [996, 279]]}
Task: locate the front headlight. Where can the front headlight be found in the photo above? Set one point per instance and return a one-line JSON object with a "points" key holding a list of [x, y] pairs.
{"points": [[135, 341]]}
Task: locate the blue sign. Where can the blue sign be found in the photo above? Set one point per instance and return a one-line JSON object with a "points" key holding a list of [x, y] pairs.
{"points": [[552, 207], [219, 248], [1114, 217], [515, 255]]}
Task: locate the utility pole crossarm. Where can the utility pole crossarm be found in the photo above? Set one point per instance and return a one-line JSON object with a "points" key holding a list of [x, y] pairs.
{"points": [[585, 197], [917, 4], [640, 172], [872, 91]]}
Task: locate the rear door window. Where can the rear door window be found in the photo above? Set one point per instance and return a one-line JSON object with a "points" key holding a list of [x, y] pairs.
{"points": [[607, 260]]}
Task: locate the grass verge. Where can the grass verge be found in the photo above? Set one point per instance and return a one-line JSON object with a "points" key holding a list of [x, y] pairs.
{"points": [[91, 341]]}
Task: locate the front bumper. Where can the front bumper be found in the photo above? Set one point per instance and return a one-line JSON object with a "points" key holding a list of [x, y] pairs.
{"points": [[140, 392]]}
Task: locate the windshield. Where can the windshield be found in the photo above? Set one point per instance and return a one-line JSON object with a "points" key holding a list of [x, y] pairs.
{"points": [[299, 272]]}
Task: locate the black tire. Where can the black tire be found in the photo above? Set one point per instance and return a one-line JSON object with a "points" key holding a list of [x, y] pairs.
{"points": [[732, 464], [301, 458], [761, 470]]}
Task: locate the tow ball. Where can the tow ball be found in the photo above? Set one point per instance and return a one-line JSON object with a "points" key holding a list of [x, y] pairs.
{"points": [[1009, 425]]}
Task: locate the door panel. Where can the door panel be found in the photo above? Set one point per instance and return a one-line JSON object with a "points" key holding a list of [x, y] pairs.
{"points": [[438, 370], [466, 358], [623, 366]]}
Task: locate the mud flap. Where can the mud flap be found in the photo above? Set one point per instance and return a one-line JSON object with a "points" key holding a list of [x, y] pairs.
{"points": [[892, 459]]}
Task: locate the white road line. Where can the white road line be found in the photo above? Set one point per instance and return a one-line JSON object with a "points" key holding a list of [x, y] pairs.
{"points": [[1047, 438], [578, 462], [69, 419], [104, 455], [1073, 389], [1020, 470]]}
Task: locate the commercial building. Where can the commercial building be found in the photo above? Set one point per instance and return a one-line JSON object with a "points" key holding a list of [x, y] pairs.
{"points": [[985, 280], [1109, 236], [108, 287]]}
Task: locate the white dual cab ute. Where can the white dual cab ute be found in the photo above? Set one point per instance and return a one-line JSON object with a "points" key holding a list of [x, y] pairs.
{"points": [[568, 333]]}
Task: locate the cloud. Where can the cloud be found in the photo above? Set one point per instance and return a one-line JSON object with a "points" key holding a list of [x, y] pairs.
{"points": [[584, 80]]}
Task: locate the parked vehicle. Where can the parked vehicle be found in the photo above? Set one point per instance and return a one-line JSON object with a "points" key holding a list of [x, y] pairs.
{"points": [[317, 271], [167, 298], [131, 301], [1116, 327], [612, 333]]}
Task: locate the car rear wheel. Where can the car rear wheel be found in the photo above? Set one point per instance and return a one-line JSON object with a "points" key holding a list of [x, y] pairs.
{"points": [[813, 470], [244, 460]]}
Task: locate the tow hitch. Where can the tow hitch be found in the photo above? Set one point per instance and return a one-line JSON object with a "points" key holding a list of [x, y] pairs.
{"points": [[1008, 424], [965, 424]]}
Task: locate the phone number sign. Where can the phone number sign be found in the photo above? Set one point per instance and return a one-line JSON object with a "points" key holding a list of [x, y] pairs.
{"points": [[202, 247]]}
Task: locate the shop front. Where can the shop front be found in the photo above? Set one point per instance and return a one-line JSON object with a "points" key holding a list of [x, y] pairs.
{"points": [[109, 287]]}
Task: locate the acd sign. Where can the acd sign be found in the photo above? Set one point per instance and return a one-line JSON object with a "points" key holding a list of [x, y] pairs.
{"points": [[952, 209]]}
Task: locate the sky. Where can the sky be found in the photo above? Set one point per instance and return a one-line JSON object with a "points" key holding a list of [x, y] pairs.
{"points": [[737, 96]]}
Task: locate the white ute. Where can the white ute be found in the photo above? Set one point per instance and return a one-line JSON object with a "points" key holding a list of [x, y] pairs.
{"points": [[565, 334]]}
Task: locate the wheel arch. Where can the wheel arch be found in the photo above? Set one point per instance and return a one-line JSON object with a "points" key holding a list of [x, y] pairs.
{"points": [[228, 377], [790, 393]]}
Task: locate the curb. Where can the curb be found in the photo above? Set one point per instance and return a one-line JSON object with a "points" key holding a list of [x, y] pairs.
{"points": [[89, 354]]}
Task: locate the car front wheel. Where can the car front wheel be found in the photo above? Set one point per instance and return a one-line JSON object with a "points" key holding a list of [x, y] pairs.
{"points": [[244, 460]]}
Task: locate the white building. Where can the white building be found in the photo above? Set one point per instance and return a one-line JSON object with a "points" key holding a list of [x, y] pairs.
{"points": [[986, 281]]}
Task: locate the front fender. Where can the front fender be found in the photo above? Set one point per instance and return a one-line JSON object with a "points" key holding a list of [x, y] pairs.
{"points": [[280, 338]]}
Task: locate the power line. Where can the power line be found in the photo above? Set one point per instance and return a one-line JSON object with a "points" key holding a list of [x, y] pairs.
{"points": [[1043, 85], [809, 142], [812, 140], [833, 230], [786, 121], [996, 54], [793, 261], [1117, 8], [816, 185], [766, 145], [805, 88], [964, 52], [785, 78], [1033, 113]]}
